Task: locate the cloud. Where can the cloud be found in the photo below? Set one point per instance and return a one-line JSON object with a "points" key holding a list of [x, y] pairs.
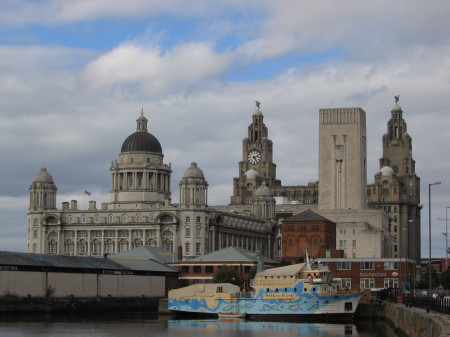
{"points": [[183, 66]]}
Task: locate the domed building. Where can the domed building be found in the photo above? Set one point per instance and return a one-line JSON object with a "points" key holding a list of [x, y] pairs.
{"points": [[141, 213]]}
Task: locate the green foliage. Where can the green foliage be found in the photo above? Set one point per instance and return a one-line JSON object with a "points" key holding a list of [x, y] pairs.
{"points": [[252, 272], [424, 280], [284, 263], [227, 274], [444, 278]]}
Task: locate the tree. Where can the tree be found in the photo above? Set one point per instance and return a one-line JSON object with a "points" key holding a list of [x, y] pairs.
{"points": [[424, 280], [227, 274], [445, 279]]}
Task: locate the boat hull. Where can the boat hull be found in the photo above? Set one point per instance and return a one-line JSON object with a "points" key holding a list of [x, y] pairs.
{"points": [[344, 304]]}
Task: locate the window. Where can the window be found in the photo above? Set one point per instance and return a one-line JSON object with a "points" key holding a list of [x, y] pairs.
{"points": [[303, 227], [197, 269], [198, 219], [123, 245], [368, 265], [342, 244], [410, 193], [97, 218], [124, 218], [151, 217], [354, 244], [70, 219], [110, 218], [209, 269], [344, 265], [343, 231], [185, 269], [96, 246], [391, 282], [136, 244], [187, 247], [83, 218], [109, 247], [198, 231], [122, 233], [346, 283], [198, 248], [82, 247], [96, 234], [391, 265], [188, 219], [109, 234], [315, 227], [367, 283], [187, 231], [68, 247], [35, 233], [137, 218]]}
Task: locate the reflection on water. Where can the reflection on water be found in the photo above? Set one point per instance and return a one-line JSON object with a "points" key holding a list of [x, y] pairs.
{"points": [[144, 324]]}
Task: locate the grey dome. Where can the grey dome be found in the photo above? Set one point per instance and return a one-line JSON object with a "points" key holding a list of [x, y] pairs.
{"points": [[43, 176], [193, 172], [141, 140]]}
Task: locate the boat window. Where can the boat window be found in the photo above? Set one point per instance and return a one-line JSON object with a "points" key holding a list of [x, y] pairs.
{"points": [[267, 289], [285, 289], [276, 290], [306, 289], [295, 289], [313, 289]]}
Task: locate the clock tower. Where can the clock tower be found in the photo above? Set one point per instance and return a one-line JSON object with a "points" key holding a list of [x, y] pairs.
{"points": [[256, 165]]}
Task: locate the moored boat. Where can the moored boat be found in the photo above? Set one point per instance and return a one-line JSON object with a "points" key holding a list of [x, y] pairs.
{"points": [[294, 290]]}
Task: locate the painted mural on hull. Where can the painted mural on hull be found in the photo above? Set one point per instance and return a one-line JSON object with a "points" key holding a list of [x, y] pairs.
{"points": [[291, 290]]}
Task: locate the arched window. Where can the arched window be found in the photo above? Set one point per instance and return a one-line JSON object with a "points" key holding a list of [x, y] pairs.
{"points": [[151, 217], [110, 218], [124, 218], [137, 218], [70, 219], [97, 218], [83, 218]]}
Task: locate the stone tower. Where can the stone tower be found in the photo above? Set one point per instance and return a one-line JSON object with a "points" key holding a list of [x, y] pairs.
{"points": [[342, 159], [257, 162], [397, 188], [193, 187], [140, 178]]}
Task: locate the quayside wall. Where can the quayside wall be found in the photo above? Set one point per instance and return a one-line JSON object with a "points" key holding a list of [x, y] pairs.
{"points": [[12, 304], [408, 321]]}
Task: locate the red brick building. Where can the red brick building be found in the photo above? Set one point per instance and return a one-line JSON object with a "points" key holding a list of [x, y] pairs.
{"points": [[370, 274], [306, 230]]}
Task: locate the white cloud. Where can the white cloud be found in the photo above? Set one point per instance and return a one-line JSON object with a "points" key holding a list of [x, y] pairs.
{"points": [[70, 109]]}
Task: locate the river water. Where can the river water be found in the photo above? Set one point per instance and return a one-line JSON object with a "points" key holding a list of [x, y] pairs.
{"points": [[144, 324]]}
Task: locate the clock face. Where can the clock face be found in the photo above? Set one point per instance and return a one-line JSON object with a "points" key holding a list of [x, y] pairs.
{"points": [[254, 157]]}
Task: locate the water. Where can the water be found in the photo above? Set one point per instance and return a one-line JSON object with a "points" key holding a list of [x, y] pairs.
{"points": [[143, 324]]}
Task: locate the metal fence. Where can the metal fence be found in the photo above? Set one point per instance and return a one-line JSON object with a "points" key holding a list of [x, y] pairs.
{"points": [[436, 302]]}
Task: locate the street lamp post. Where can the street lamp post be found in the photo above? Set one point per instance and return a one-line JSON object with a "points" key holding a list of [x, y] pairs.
{"points": [[429, 234], [446, 239]]}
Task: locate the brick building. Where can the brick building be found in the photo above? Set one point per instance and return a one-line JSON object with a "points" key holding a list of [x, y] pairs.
{"points": [[369, 274], [307, 230]]}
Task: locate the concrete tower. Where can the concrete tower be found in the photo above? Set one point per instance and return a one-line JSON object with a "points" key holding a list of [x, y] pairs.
{"points": [[342, 159]]}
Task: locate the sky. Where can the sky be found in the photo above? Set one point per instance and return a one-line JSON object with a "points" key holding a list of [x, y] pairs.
{"points": [[76, 74]]}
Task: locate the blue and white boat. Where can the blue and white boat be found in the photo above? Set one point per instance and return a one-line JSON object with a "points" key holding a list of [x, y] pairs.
{"points": [[295, 290]]}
